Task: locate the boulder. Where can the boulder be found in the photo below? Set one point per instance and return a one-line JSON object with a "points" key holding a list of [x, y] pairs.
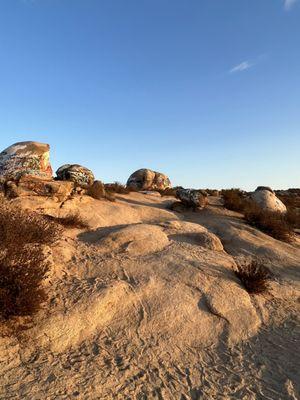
{"points": [[146, 179], [268, 201], [81, 176], [25, 159], [192, 198]]}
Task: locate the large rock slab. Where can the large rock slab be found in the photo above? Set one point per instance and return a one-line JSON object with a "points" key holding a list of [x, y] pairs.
{"points": [[146, 179], [267, 200], [81, 176], [56, 190], [25, 159], [192, 198]]}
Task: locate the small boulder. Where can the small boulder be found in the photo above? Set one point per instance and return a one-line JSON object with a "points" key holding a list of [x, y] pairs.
{"points": [[192, 198], [81, 176], [146, 179], [25, 159], [267, 200]]}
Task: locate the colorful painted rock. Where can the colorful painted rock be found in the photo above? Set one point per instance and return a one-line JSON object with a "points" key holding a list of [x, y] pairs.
{"points": [[146, 179], [192, 198], [78, 174], [25, 159]]}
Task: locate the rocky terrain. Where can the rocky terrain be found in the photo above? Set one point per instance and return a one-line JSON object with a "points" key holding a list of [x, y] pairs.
{"points": [[144, 303]]}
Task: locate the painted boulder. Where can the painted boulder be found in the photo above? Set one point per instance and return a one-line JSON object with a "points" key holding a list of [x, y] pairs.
{"points": [[26, 159], [81, 176], [192, 198]]}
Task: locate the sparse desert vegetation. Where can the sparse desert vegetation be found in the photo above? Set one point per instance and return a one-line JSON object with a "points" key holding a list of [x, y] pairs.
{"points": [[23, 263], [254, 276], [71, 220]]}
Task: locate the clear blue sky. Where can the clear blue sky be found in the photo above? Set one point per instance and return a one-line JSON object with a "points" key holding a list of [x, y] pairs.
{"points": [[206, 91]]}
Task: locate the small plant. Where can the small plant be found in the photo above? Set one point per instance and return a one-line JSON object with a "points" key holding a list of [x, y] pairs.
{"points": [[254, 276], [117, 187], [72, 220], [23, 264], [21, 276], [19, 227], [233, 200]]}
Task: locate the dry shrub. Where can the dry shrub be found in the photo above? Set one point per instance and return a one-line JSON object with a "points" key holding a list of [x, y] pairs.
{"points": [[19, 227], [117, 187], [71, 220], [21, 276], [293, 217], [23, 262], [273, 223], [254, 276], [233, 199]]}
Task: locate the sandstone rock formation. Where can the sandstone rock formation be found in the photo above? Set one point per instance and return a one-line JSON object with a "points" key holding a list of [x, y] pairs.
{"points": [[192, 197], [146, 179], [25, 159], [78, 174], [267, 200]]}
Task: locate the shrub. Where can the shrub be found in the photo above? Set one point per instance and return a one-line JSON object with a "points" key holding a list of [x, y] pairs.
{"points": [[23, 263], [254, 276], [274, 224], [233, 200], [21, 276], [72, 220], [117, 187], [19, 227]]}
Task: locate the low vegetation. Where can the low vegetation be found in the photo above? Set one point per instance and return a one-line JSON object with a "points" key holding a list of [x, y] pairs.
{"points": [[278, 225], [168, 191], [117, 187], [71, 220], [234, 200], [254, 276], [274, 224], [23, 263]]}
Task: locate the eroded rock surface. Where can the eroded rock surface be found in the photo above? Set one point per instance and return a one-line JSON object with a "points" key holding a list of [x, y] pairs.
{"points": [[192, 198]]}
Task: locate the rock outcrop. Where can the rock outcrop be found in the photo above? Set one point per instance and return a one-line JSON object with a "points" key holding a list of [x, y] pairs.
{"points": [[25, 159], [30, 186], [146, 179], [81, 176], [192, 198], [267, 200]]}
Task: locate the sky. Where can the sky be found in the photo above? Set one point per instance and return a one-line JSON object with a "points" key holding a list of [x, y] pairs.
{"points": [[205, 91]]}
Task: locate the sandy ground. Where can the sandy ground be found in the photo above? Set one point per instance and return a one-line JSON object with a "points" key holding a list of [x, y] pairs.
{"points": [[145, 305]]}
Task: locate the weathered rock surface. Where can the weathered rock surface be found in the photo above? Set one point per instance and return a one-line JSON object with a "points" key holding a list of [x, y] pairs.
{"points": [[192, 197], [25, 159], [30, 186], [146, 179], [268, 201], [78, 174]]}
